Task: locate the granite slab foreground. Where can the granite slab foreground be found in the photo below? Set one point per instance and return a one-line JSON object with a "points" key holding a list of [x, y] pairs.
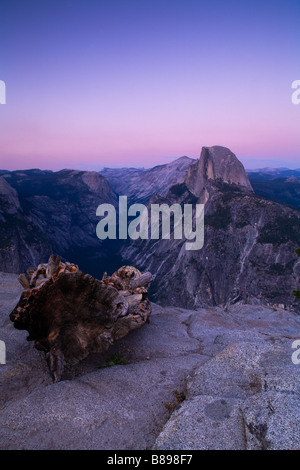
{"points": [[204, 379]]}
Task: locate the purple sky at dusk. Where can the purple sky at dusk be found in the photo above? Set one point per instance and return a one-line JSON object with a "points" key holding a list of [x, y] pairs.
{"points": [[94, 83]]}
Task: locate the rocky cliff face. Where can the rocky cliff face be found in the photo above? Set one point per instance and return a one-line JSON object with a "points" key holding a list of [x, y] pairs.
{"points": [[141, 184], [216, 164], [8, 197], [248, 252], [44, 212], [21, 240]]}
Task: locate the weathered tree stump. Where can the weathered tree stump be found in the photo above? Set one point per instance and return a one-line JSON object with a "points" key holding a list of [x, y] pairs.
{"points": [[69, 314]]}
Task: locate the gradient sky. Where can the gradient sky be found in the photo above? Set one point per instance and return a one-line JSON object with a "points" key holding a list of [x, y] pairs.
{"points": [[93, 83]]}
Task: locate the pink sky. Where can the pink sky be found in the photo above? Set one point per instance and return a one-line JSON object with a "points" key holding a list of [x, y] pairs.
{"points": [[98, 87]]}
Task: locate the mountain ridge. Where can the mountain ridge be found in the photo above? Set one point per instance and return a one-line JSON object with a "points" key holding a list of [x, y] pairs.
{"points": [[248, 254], [140, 184]]}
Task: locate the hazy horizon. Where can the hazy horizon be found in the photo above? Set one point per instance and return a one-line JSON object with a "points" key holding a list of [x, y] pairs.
{"points": [[253, 164]]}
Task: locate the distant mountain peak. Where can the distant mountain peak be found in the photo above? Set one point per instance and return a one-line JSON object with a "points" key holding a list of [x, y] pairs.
{"points": [[143, 183], [216, 163], [184, 158]]}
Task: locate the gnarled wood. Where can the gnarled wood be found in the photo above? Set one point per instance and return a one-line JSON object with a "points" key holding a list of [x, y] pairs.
{"points": [[69, 314]]}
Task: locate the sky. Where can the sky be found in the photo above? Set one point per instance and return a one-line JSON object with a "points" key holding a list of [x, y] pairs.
{"points": [[95, 83]]}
